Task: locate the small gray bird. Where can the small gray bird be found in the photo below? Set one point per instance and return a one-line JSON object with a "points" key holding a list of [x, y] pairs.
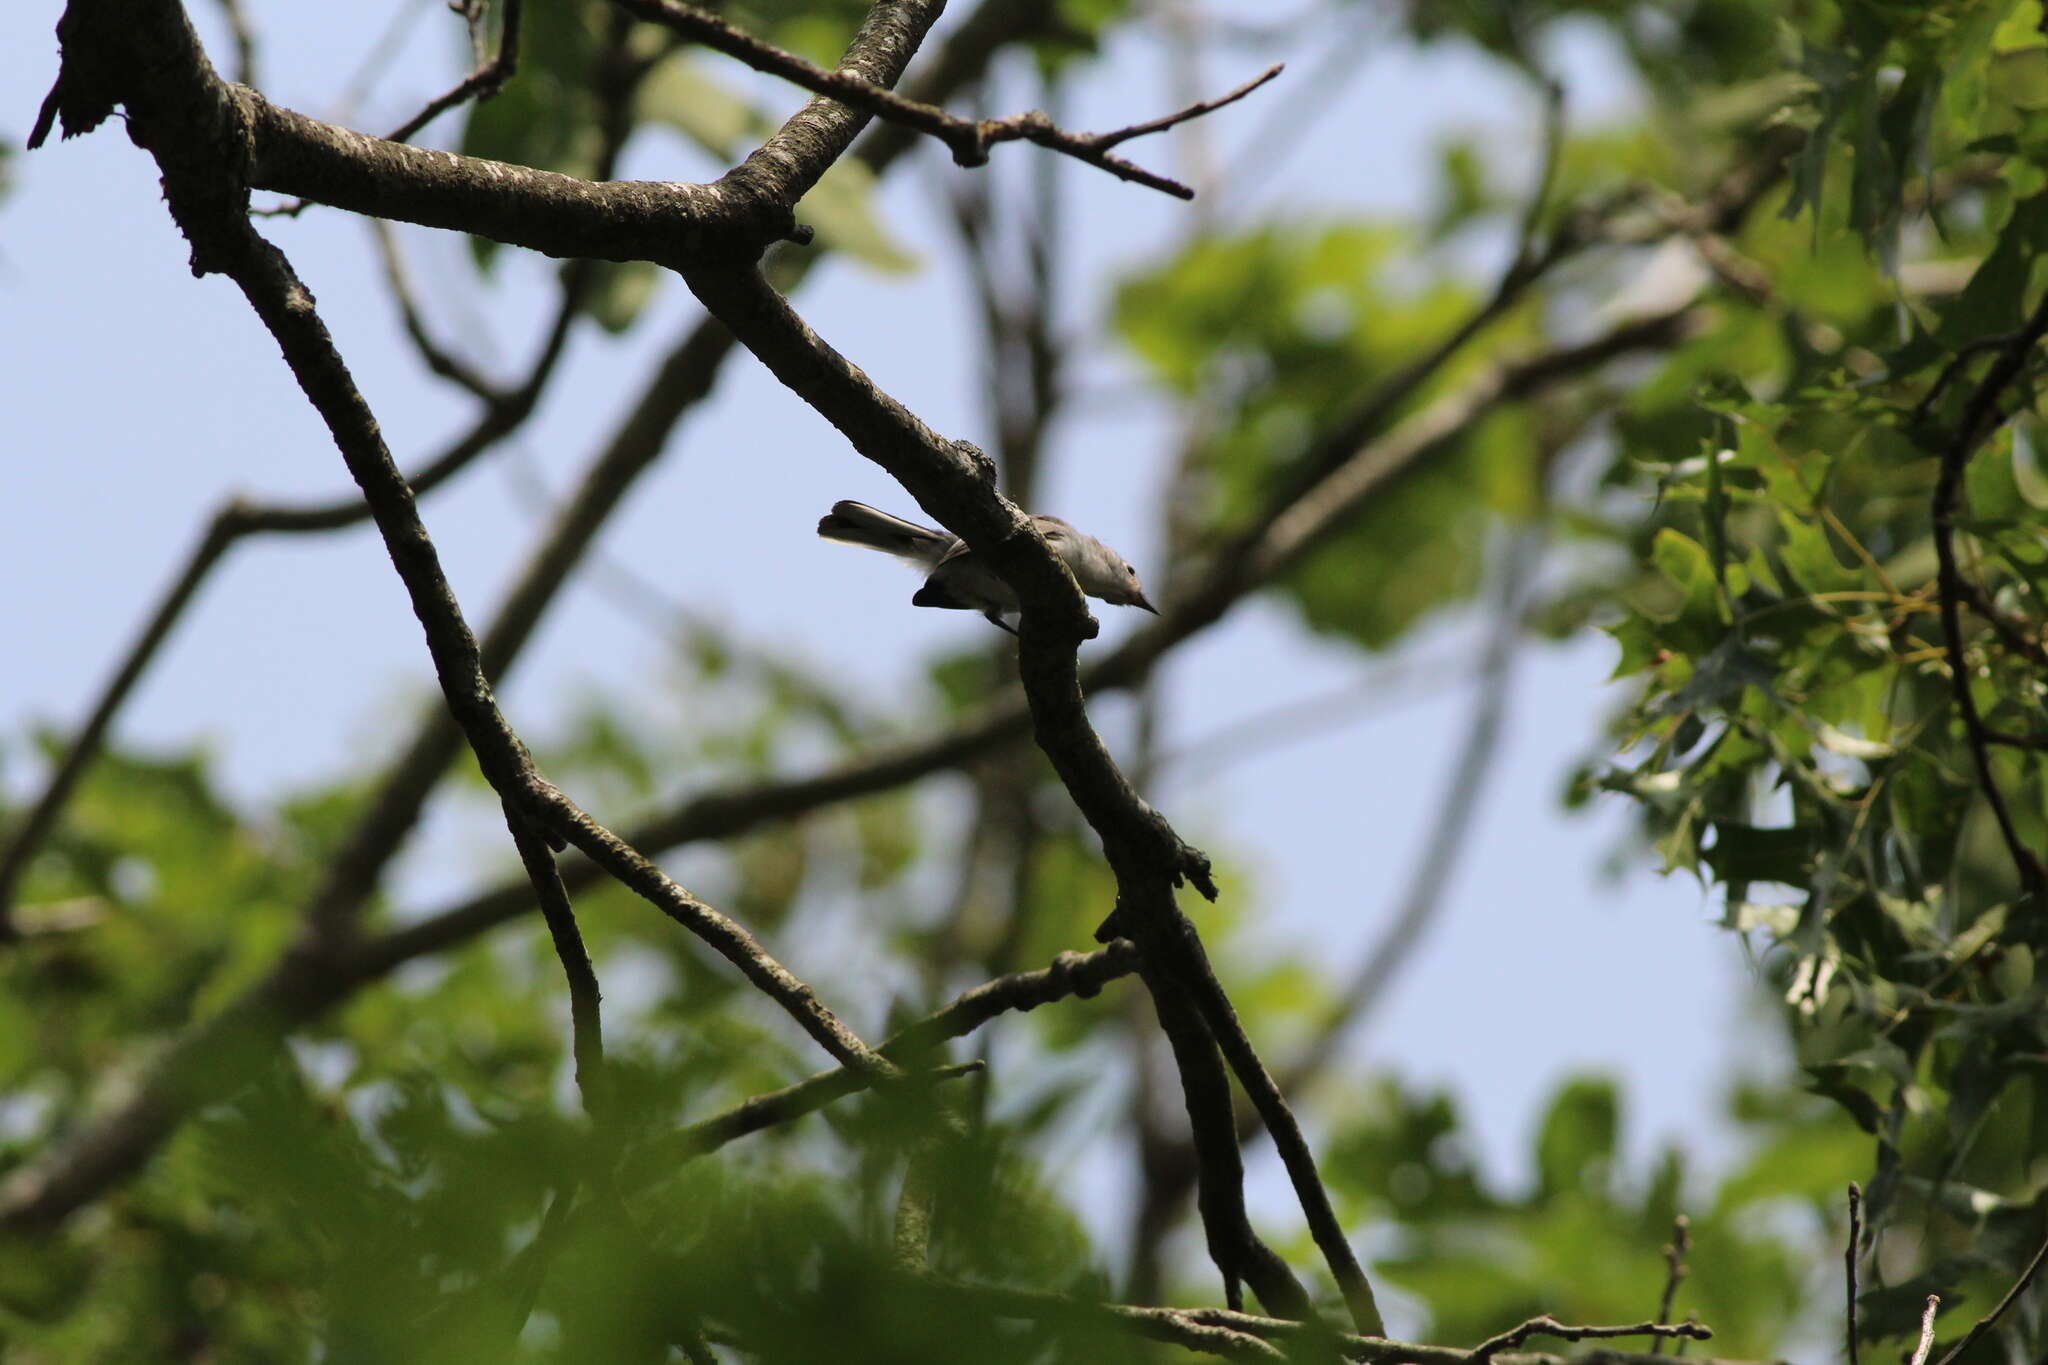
{"points": [[955, 578]]}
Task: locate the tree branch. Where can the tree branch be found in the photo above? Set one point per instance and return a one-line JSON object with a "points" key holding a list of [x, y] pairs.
{"points": [[1849, 1255], [1217, 1331], [586, 1025], [1547, 1326]]}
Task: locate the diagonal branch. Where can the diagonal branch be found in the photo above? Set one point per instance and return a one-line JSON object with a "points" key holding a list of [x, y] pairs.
{"points": [[479, 84], [586, 1026], [1070, 975]]}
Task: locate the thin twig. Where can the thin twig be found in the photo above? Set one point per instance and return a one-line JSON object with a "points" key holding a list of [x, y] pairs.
{"points": [[585, 1023], [1305, 1340], [1451, 825], [480, 84], [1546, 175], [1926, 1330], [1192, 111], [1547, 1326], [1850, 1254], [1674, 1273], [969, 140], [1985, 1323], [1070, 975], [486, 79]]}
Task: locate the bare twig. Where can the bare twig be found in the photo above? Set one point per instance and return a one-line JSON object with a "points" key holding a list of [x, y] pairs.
{"points": [[1674, 1274], [1070, 975], [1547, 1326], [1926, 1330], [1286, 1133], [586, 1024], [1192, 111], [912, 1234], [1985, 1323], [1850, 1254], [969, 140], [480, 84], [1305, 1340]]}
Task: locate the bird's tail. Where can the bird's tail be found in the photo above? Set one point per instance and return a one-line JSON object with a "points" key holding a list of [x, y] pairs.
{"points": [[856, 523]]}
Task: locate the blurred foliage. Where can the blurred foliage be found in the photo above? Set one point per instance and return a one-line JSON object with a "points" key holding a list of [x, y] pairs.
{"points": [[1478, 1257], [1747, 512]]}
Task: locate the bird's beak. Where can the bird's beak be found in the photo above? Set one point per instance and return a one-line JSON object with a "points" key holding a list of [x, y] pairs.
{"points": [[1138, 600]]}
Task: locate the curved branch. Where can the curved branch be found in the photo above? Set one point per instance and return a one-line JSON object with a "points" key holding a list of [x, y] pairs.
{"points": [[1070, 975]]}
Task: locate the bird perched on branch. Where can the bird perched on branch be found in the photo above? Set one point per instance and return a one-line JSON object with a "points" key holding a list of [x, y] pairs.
{"points": [[956, 578]]}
